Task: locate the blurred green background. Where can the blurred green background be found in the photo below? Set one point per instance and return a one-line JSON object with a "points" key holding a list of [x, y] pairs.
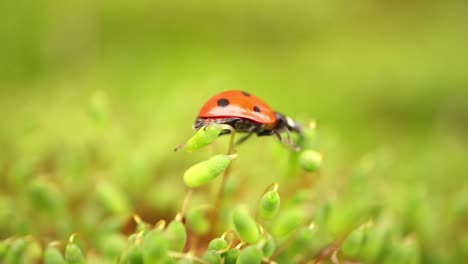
{"points": [[98, 93]]}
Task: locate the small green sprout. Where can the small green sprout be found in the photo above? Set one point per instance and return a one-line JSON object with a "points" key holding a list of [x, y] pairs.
{"points": [[155, 246], [217, 244], [250, 255], [310, 160], [212, 257], [205, 171], [269, 204], [16, 251], [203, 137], [176, 234], [269, 245], [245, 226], [230, 257], [196, 220], [288, 221], [352, 245], [135, 255], [73, 253], [112, 198], [53, 256]]}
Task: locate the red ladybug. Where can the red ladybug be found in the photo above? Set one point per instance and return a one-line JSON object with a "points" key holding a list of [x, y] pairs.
{"points": [[246, 113]]}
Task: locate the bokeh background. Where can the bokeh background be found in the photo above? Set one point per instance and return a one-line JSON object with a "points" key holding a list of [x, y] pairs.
{"points": [[94, 96]]}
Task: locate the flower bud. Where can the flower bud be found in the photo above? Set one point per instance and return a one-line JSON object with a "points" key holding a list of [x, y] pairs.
{"points": [[217, 244], [155, 246], [73, 253], [112, 198], [197, 221], [16, 251], [288, 221], [205, 171], [352, 244], [204, 136], [269, 246], [44, 196], [212, 257], [135, 255], [230, 257], [177, 235], [53, 256], [310, 160], [250, 255], [112, 244], [245, 226], [269, 205]]}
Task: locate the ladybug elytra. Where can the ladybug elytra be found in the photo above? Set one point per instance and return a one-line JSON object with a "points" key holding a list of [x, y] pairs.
{"points": [[246, 113]]}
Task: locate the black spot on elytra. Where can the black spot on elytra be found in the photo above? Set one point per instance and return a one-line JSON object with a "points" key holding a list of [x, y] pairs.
{"points": [[223, 102], [245, 93], [256, 109]]}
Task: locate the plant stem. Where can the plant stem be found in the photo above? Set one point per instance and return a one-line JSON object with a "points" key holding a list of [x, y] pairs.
{"points": [[219, 197]]}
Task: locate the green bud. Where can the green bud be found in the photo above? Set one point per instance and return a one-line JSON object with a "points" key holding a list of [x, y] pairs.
{"points": [[197, 221], [44, 196], [352, 244], [250, 255], [307, 239], [205, 171], [217, 244], [310, 160], [53, 256], [177, 235], [212, 257], [344, 217], [269, 246], [73, 254], [245, 226], [155, 246], [204, 136], [288, 221], [112, 198], [15, 253], [112, 244], [230, 257], [135, 255], [269, 205], [375, 239]]}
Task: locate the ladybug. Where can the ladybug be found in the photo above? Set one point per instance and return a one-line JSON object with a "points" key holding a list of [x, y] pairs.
{"points": [[246, 113]]}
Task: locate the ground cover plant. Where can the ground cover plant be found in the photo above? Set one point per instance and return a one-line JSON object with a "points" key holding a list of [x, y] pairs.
{"points": [[95, 95]]}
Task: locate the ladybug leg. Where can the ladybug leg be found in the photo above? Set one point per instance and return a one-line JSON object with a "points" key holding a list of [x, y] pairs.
{"points": [[244, 138], [278, 136], [250, 132], [291, 142]]}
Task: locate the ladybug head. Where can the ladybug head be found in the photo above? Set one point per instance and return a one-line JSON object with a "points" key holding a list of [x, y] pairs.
{"points": [[286, 123]]}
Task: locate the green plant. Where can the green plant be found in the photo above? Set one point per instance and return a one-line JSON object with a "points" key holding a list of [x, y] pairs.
{"points": [[292, 221]]}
